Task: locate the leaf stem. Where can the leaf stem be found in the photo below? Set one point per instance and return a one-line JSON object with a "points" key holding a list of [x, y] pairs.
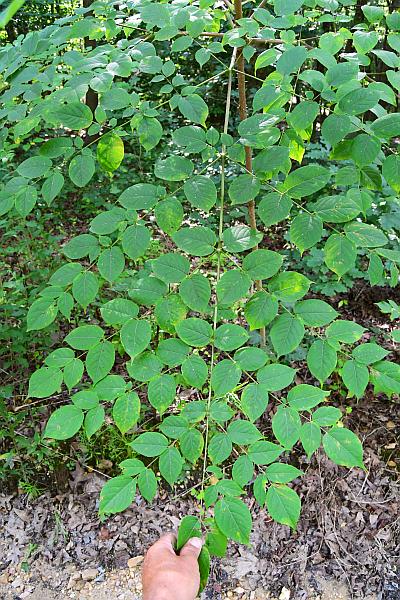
{"points": [[219, 252]]}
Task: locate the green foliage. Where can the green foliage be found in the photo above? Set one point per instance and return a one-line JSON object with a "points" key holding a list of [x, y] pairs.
{"points": [[173, 287]]}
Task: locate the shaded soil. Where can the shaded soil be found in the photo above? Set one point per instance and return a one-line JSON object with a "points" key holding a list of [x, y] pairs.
{"points": [[361, 304]]}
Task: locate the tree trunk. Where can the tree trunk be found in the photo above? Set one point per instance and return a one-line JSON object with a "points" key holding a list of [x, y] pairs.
{"points": [[247, 149], [92, 97]]}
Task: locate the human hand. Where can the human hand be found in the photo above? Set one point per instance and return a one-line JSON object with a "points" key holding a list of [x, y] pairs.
{"points": [[167, 576]]}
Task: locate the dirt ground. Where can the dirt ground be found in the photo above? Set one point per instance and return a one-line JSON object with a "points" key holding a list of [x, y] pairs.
{"points": [[347, 544]]}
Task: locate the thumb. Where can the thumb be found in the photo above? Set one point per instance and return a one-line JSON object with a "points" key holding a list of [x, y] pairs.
{"points": [[192, 548]]}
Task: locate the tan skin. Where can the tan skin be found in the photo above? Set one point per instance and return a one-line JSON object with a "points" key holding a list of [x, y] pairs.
{"points": [[167, 576]]}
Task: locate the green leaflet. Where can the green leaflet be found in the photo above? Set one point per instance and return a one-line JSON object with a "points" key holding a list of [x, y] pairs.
{"points": [[225, 377], [286, 334], [315, 313], [135, 336], [150, 444], [85, 288], [195, 370], [147, 483], [94, 420], [243, 189], [172, 352], [198, 241], [305, 231], [335, 128], [189, 527], [111, 263], [289, 286], [262, 264], [283, 505], [195, 291], [355, 377], [81, 169], [282, 473], [118, 311], [305, 181], [139, 196], [305, 396], [116, 495], [240, 238], [387, 127], [276, 376], [232, 286], [243, 432], [201, 192], [264, 453], [110, 152], [310, 437], [41, 314], [220, 448], [45, 382], [229, 337], [194, 332], [233, 519], [321, 359], [242, 470], [339, 254], [170, 464], [171, 268], [135, 241], [64, 423], [74, 115], [359, 101], [100, 360], [193, 108], [343, 447], [273, 208], [169, 311], [173, 168], [126, 411], [191, 444], [169, 215], [254, 400], [161, 392], [52, 186], [286, 426]]}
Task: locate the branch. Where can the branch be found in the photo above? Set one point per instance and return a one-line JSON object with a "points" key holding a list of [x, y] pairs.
{"points": [[248, 154]]}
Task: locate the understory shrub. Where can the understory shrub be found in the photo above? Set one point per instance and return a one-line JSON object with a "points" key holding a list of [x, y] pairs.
{"points": [[188, 322]]}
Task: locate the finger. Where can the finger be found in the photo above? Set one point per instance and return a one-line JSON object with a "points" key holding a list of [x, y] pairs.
{"points": [[164, 545], [192, 548]]}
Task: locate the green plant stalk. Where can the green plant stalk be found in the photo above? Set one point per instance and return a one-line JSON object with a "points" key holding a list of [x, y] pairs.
{"points": [[219, 250]]}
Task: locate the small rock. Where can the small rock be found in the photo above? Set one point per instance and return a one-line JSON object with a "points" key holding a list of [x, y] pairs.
{"points": [[17, 582], [285, 594], [79, 585], [4, 579], [89, 574], [104, 533], [239, 590], [135, 561], [73, 580]]}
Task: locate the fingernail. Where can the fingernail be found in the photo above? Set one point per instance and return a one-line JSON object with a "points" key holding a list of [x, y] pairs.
{"points": [[196, 542]]}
